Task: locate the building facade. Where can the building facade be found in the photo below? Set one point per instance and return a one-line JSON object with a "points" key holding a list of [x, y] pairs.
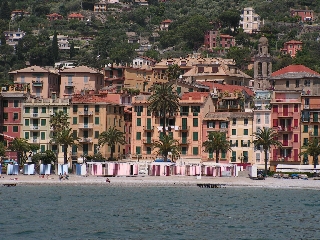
{"points": [[250, 21], [292, 47]]}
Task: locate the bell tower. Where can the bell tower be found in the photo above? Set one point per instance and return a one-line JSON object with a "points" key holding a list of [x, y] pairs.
{"points": [[262, 65]]}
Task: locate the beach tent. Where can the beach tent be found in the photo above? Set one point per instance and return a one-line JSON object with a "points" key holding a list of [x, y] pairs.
{"points": [[12, 169], [28, 169], [62, 168], [81, 169], [45, 169]]}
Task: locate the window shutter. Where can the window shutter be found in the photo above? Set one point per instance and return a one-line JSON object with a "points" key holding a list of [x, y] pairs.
{"points": [[275, 122], [241, 143], [295, 137], [248, 143], [236, 143], [295, 124]]}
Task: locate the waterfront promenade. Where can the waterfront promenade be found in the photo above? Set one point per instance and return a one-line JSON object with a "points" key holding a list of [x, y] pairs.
{"points": [[170, 181]]}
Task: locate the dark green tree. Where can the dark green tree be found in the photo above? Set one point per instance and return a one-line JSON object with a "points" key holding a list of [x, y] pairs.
{"points": [[240, 55], [312, 149], [47, 157], [5, 12], [2, 39], [217, 143], [167, 145], [55, 47], [230, 18], [72, 52], [173, 72]]}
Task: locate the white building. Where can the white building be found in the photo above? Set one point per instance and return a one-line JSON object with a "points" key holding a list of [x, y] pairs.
{"points": [[250, 21], [142, 61], [12, 37]]}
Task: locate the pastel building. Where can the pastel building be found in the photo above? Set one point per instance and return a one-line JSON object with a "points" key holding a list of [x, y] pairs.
{"points": [[74, 80], [43, 83], [164, 25], [261, 119], [250, 21], [185, 126], [292, 47], [285, 117], [76, 16], [100, 6], [90, 116], [304, 15], [54, 16], [36, 114], [213, 39]]}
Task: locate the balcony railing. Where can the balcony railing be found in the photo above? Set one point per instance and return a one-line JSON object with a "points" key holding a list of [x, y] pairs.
{"points": [[34, 115], [85, 140], [35, 140], [148, 141], [185, 141], [86, 126], [285, 115], [184, 128], [284, 129], [85, 112], [69, 85], [314, 134], [37, 83], [35, 127], [148, 128]]}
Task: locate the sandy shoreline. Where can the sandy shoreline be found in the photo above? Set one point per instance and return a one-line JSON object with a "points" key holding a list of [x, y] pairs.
{"points": [[171, 181]]}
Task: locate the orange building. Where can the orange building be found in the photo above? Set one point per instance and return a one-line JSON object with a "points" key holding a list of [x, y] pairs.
{"points": [[292, 47]]}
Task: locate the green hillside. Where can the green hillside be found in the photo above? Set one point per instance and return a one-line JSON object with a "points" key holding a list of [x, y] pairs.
{"points": [[103, 39]]}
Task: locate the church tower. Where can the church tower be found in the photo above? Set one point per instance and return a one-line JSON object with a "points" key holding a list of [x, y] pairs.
{"points": [[262, 65]]}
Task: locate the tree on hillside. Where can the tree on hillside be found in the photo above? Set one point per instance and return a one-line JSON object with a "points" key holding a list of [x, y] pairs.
{"points": [[55, 47], [217, 143], [230, 19], [163, 101], [167, 145], [111, 137], [173, 72], [2, 40], [5, 12], [240, 55], [266, 138], [312, 149]]}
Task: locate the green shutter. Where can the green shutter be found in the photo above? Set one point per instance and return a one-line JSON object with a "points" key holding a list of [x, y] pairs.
{"points": [[234, 156], [43, 135], [27, 110], [195, 122], [210, 154], [245, 155], [75, 108], [195, 150], [43, 122], [138, 136], [195, 136], [184, 150], [138, 150], [26, 135], [161, 134], [245, 132], [305, 128], [74, 133], [26, 122], [96, 120], [65, 110], [42, 148], [184, 123], [96, 134], [223, 155], [74, 148], [96, 108], [178, 90], [234, 132], [75, 120], [148, 150], [43, 110], [149, 123], [138, 121]]}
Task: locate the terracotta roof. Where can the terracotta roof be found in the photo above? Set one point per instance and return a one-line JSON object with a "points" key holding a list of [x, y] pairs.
{"points": [[293, 42], [227, 87], [225, 116], [294, 69], [166, 21], [75, 15], [80, 69], [194, 95], [226, 36], [78, 98], [31, 69]]}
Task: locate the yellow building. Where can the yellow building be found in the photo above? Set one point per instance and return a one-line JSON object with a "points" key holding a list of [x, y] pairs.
{"points": [[185, 126], [36, 128], [90, 116]]}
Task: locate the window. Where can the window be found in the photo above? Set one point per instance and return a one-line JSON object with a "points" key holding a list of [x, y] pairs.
{"points": [[55, 109], [211, 124], [306, 101], [223, 125], [305, 128], [5, 116], [43, 110], [74, 133], [15, 103], [75, 108], [74, 120], [184, 150], [138, 150], [15, 129], [245, 156], [234, 131], [178, 90], [26, 122], [305, 141], [307, 83], [35, 110], [295, 108], [27, 110], [245, 121], [65, 109], [96, 134], [245, 131], [42, 148], [5, 103], [257, 157], [26, 135], [195, 136], [234, 121], [96, 120], [148, 150], [15, 116], [43, 135], [43, 122], [195, 150], [138, 136], [138, 121], [275, 108], [234, 156], [195, 122], [266, 118], [295, 137], [4, 129], [297, 83], [85, 79], [96, 108]]}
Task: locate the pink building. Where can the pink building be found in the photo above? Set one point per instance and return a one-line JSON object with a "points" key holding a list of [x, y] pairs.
{"points": [[43, 83], [305, 15], [54, 16], [285, 118], [76, 16], [213, 39], [292, 47], [74, 80]]}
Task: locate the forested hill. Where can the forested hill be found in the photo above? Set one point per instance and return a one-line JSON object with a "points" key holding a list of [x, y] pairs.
{"points": [[103, 37]]}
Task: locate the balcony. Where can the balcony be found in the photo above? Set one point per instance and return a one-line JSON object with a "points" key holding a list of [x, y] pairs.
{"points": [[69, 85], [148, 128], [286, 144], [85, 112], [37, 83], [35, 128], [85, 140], [285, 115], [34, 115], [184, 113], [86, 126], [185, 141], [35, 140], [184, 128], [284, 129], [148, 141], [74, 154], [313, 134]]}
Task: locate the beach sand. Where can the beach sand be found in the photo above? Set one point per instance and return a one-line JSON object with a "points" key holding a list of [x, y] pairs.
{"points": [[170, 181]]}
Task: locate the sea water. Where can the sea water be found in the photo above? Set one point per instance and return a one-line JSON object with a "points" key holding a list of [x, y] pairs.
{"points": [[100, 212]]}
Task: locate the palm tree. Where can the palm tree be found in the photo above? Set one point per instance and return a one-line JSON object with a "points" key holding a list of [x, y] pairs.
{"points": [[173, 72], [312, 149], [163, 101], [66, 138], [165, 145], [266, 138], [59, 120], [217, 143], [111, 137]]}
